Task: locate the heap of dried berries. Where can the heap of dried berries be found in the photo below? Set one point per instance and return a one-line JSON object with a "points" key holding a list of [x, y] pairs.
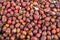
{"points": [[29, 20]]}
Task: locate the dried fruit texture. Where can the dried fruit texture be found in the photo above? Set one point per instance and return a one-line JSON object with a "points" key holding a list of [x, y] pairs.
{"points": [[43, 38], [53, 19], [34, 38], [29, 19], [53, 31], [1, 0], [48, 37], [1, 24], [4, 18], [7, 25]]}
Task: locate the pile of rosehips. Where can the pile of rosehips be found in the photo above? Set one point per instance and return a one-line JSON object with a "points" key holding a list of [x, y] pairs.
{"points": [[29, 20]]}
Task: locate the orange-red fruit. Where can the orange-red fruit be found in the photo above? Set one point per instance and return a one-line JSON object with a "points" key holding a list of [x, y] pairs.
{"points": [[38, 35], [13, 22], [53, 31], [41, 12], [57, 30], [34, 38], [48, 37], [44, 33], [9, 21]]}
